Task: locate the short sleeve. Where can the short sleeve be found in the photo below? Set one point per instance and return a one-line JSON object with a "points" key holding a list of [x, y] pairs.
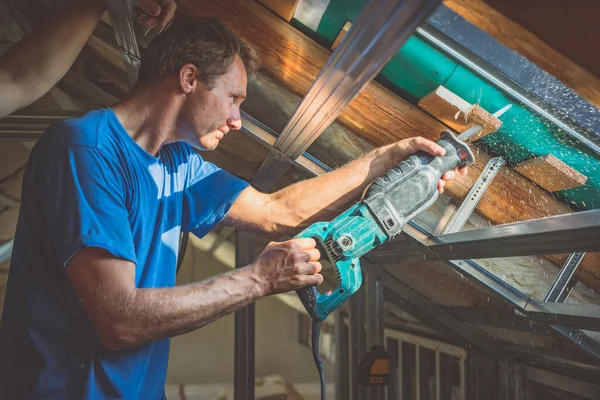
{"points": [[209, 194], [83, 202]]}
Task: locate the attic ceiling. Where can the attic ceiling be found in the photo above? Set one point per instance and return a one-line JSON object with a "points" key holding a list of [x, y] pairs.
{"points": [[436, 295]]}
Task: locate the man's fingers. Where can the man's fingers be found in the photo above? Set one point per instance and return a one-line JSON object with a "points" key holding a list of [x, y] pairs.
{"points": [[313, 255], [168, 13], [422, 144], [147, 21], [149, 7], [305, 243], [316, 267], [449, 175], [464, 170], [313, 280], [310, 268]]}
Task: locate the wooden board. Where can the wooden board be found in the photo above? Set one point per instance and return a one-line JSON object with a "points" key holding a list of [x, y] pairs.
{"points": [[458, 113], [341, 35], [380, 117], [551, 173], [561, 37], [284, 8]]}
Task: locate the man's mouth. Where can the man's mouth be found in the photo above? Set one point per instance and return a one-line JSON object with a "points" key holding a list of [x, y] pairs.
{"points": [[224, 131]]}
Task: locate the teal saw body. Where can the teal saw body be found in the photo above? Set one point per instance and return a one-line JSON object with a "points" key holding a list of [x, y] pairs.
{"points": [[345, 239], [390, 202]]}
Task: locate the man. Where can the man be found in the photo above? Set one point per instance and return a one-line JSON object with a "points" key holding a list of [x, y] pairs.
{"points": [[91, 301], [36, 63]]}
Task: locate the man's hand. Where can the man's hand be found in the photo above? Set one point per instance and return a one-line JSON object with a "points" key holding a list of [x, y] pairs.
{"points": [[290, 265], [155, 13], [408, 147]]}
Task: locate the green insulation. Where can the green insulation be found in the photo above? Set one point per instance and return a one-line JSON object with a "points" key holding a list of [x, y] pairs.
{"points": [[418, 68]]}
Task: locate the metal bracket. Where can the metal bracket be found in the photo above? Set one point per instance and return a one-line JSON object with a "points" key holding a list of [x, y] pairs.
{"points": [[461, 216], [378, 32], [119, 12], [564, 283]]}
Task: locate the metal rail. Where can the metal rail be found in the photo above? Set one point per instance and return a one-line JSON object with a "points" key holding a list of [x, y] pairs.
{"points": [[552, 235], [378, 32], [564, 283], [120, 12]]}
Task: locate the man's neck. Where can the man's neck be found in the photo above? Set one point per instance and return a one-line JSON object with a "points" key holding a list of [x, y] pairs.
{"points": [[149, 117]]}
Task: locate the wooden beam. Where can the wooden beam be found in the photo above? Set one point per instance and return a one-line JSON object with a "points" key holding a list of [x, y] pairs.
{"points": [[380, 117], [457, 113], [551, 173], [284, 8], [562, 38]]}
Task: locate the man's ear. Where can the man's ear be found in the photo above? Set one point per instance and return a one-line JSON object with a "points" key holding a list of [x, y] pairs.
{"points": [[188, 78]]}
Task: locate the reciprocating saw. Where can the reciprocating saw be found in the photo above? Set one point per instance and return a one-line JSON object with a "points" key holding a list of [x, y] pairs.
{"points": [[388, 204]]}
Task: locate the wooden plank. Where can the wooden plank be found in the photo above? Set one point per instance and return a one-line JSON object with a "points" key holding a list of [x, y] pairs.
{"points": [[562, 38], [284, 8], [341, 35], [458, 113], [551, 173], [378, 116]]}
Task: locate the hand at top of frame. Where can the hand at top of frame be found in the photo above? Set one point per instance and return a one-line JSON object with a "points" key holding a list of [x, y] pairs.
{"points": [[155, 13]]}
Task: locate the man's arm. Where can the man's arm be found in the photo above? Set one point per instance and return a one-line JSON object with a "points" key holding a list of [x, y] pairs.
{"points": [[33, 65], [125, 316], [36, 63], [323, 197]]}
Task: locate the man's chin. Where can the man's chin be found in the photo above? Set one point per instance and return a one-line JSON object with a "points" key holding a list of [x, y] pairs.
{"points": [[208, 146]]}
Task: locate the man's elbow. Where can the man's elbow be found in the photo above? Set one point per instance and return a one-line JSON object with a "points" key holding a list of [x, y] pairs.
{"points": [[118, 336], [283, 218], [117, 331], [14, 97]]}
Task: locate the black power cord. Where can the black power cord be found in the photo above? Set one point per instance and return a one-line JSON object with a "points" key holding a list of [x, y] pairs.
{"points": [[315, 343]]}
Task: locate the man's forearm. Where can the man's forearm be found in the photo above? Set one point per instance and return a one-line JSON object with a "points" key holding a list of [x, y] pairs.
{"points": [[325, 196], [153, 314], [35, 64]]}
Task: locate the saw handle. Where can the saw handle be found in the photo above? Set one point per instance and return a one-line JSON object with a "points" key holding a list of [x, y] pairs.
{"points": [[309, 295]]}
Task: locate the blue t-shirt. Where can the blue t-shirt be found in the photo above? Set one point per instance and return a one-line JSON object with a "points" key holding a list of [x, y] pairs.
{"points": [[89, 184]]}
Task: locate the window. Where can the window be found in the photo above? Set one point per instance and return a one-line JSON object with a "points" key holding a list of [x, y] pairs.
{"points": [[425, 369]]}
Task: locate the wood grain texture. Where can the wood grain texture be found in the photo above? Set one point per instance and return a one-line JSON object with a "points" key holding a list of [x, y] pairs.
{"points": [[378, 116], [551, 173], [284, 8], [562, 38]]}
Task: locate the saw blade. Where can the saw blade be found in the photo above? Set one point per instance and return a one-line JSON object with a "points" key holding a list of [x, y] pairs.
{"points": [[475, 129]]}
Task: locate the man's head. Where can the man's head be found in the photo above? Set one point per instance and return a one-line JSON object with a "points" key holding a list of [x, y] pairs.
{"points": [[209, 62]]}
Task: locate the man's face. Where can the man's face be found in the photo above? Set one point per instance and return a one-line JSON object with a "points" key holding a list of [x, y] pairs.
{"points": [[209, 115]]}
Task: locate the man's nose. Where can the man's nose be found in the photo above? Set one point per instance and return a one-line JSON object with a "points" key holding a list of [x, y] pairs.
{"points": [[235, 122]]}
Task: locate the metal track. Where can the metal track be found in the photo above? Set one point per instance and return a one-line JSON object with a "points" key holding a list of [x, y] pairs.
{"points": [[460, 217]]}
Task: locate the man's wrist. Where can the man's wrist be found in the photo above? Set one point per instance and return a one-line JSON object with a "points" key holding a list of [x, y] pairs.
{"points": [[392, 155], [259, 287]]}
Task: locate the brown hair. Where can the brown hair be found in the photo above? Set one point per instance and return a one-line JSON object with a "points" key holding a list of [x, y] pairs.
{"points": [[207, 43]]}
